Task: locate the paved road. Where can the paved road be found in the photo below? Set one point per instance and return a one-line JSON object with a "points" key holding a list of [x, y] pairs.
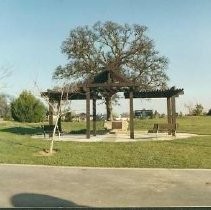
{"points": [[41, 186]]}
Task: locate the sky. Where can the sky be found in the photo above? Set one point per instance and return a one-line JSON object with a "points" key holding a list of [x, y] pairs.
{"points": [[32, 32]]}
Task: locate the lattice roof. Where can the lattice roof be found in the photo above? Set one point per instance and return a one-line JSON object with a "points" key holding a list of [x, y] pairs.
{"points": [[112, 82], [56, 95], [156, 93]]}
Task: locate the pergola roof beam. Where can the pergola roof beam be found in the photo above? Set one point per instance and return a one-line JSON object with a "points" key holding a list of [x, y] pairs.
{"points": [[156, 93]]}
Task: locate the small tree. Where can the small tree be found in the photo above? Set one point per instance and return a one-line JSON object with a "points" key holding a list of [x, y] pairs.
{"points": [[198, 110], [5, 107], [27, 108], [60, 106], [4, 99]]}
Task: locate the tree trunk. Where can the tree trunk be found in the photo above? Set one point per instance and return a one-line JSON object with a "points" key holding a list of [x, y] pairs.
{"points": [[109, 108], [53, 135], [51, 146]]}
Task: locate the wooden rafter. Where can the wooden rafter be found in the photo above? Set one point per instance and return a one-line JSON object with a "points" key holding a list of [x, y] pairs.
{"points": [[157, 93]]}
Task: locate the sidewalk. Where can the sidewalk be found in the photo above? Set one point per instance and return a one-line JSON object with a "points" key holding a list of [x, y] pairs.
{"points": [[43, 186]]}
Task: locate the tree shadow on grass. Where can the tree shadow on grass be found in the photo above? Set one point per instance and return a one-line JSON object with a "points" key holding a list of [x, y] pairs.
{"points": [[10, 142], [40, 200], [23, 130], [20, 131]]}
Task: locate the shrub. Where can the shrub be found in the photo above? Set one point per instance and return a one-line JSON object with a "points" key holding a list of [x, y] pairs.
{"points": [[209, 112], [198, 110], [27, 108]]}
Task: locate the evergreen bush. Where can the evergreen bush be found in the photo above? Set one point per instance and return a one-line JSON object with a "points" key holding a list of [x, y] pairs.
{"points": [[27, 108]]}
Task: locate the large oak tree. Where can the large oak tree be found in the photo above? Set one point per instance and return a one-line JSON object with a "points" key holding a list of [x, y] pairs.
{"points": [[124, 48]]}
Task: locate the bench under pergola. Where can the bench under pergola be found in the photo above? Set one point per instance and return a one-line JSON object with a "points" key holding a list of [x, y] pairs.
{"points": [[112, 82]]}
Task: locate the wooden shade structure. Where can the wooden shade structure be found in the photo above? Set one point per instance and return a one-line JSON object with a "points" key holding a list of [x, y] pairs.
{"points": [[113, 82]]}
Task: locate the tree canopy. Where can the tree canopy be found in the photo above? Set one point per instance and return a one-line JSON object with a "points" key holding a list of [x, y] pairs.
{"points": [[198, 110], [124, 48]]}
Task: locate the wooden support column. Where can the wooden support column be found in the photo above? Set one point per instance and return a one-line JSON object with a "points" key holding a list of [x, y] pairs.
{"points": [[131, 116], [169, 110], [50, 115], [173, 105], [94, 116], [169, 113], [88, 113], [59, 120], [50, 112]]}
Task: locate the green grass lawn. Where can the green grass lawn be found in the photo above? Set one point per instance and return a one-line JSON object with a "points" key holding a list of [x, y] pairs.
{"points": [[16, 146]]}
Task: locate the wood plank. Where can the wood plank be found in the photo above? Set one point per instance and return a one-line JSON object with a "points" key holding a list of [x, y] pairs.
{"points": [[169, 113], [112, 85], [94, 116], [173, 107], [88, 114], [131, 116], [156, 93]]}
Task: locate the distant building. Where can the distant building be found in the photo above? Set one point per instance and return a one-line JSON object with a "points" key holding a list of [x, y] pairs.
{"points": [[143, 113]]}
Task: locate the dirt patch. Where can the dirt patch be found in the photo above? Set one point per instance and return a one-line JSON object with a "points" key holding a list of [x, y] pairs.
{"points": [[46, 152]]}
